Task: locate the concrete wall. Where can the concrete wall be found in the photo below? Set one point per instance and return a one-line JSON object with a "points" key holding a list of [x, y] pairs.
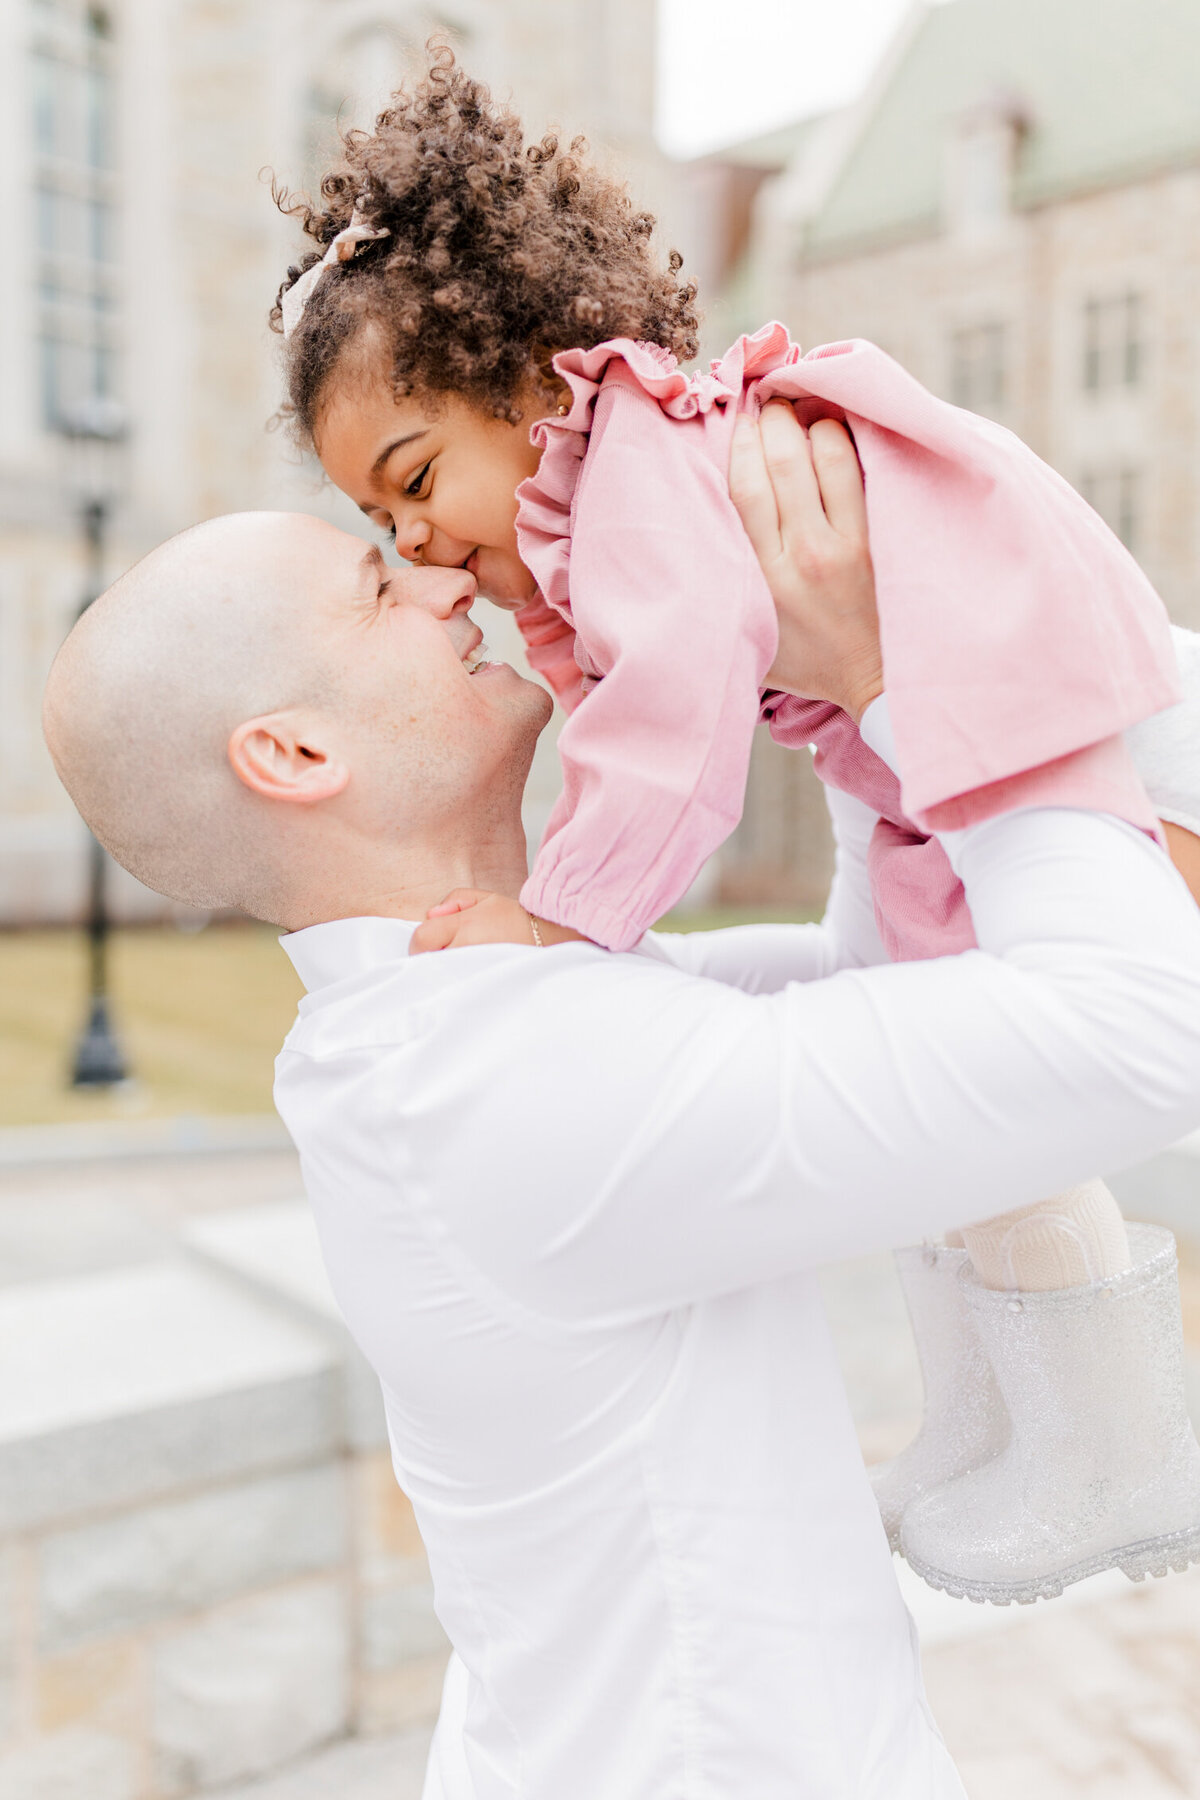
{"points": [[206, 1567], [1032, 276], [211, 94]]}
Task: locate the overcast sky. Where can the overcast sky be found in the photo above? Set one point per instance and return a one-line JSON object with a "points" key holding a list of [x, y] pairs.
{"points": [[732, 68]]}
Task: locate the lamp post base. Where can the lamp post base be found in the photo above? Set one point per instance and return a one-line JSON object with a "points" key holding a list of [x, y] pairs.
{"points": [[98, 1059]]}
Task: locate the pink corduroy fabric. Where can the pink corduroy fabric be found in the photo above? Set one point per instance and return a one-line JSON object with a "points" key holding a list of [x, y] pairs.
{"points": [[1019, 636]]}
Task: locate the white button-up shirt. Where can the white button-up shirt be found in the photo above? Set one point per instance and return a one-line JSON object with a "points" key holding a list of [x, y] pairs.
{"points": [[571, 1204]]}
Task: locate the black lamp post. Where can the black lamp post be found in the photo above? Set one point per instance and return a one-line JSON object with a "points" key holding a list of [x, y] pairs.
{"points": [[94, 431]]}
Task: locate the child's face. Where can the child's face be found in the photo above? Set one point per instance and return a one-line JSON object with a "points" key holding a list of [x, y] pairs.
{"points": [[442, 476]]}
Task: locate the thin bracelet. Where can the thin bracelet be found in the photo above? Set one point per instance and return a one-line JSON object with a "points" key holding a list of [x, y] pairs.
{"points": [[536, 930]]}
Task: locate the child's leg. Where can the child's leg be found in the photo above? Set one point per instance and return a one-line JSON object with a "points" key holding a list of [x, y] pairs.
{"points": [[1076, 1237], [1102, 1468]]}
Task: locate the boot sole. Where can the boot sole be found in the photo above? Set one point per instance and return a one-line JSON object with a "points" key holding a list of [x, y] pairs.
{"points": [[1153, 1556]]}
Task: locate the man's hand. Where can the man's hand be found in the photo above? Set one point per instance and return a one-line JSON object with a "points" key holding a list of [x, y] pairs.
{"points": [[1185, 854], [800, 497], [473, 916]]}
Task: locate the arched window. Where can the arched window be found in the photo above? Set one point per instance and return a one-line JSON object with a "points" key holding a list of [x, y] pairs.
{"points": [[352, 87], [366, 65], [73, 81]]}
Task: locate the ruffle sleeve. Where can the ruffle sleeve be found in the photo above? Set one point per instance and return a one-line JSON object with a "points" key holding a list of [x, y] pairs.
{"points": [[1019, 636], [637, 547]]}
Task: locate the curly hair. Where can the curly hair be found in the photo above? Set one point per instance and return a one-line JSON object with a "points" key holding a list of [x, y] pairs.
{"points": [[498, 255]]}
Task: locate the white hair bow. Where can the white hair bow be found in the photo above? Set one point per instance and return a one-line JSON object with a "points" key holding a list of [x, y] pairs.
{"points": [[341, 249]]}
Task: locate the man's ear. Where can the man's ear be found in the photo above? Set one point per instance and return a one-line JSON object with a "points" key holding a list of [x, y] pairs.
{"points": [[274, 756]]}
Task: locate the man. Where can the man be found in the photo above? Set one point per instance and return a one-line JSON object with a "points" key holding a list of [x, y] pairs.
{"points": [[571, 1203]]}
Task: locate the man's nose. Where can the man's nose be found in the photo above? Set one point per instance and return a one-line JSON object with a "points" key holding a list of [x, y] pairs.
{"points": [[442, 592]]}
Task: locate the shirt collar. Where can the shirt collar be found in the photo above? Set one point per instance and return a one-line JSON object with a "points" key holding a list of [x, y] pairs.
{"points": [[323, 954]]}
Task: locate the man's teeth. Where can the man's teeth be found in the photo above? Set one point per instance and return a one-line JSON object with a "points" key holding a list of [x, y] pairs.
{"points": [[475, 658]]}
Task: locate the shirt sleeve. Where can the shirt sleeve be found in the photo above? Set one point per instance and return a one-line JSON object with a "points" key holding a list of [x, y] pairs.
{"points": [[668, 597], [684, 1140], [1166, 748], [761, 959]]}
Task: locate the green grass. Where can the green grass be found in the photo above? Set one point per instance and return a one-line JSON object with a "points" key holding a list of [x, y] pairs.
{"points": [[715, 918], [200, 1017]]}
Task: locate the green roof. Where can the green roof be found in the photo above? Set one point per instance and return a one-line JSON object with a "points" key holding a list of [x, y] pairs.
{"points": [[1111, 89], [772, 149]]}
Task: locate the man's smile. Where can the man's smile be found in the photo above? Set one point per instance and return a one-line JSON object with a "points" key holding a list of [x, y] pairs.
{"points": [[477, 655]]}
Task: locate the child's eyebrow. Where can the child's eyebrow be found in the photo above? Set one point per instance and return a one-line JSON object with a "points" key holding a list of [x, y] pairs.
{"points": [[377, 467]]}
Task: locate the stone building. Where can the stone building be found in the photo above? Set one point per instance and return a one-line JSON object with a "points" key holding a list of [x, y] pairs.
{"points": [[1013, 211], [143, 254]]}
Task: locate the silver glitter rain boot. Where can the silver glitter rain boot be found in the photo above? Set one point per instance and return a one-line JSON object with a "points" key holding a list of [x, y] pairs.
{"points": [[1103, 1470], [964, 1422]]}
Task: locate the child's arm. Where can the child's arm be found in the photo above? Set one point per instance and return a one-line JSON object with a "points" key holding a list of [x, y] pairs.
{"points": [[668, 593], [803, 510], [759, 959], [670, 600], [475, 916]]}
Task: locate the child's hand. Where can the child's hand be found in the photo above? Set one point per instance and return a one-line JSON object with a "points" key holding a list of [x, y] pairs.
{"points": [[473, 916]]}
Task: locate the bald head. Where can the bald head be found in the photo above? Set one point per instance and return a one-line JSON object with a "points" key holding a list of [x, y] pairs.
{"points": [[149, 685], [261, 715]]}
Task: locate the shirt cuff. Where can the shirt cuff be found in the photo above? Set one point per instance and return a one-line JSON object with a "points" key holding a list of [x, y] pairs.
{"points": [[875, 729]]}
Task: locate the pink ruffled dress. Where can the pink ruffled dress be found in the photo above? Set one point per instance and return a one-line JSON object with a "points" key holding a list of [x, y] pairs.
{"points": [[1019, 636]]}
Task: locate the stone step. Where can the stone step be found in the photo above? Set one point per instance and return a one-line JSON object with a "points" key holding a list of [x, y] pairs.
{"points": [[175, 1532], [205, 1573], [274, 1250], [119, 1388], [186, 1134]]}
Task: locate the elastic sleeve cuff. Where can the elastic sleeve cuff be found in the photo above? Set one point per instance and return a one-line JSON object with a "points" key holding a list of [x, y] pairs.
{"points": [[605, 926]]}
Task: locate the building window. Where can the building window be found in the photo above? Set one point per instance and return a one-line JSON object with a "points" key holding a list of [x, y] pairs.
{"points": [[75, 205], [1113, 343], [1116, 496], [977, 368], [981, 157], [360, 73]]}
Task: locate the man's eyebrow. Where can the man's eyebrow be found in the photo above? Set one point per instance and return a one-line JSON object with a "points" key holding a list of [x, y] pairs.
{"points": [[377, 467], [372, 561]]}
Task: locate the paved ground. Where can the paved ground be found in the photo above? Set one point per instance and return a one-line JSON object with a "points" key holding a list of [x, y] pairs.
{"points": [[379, 1769], [1092, 1697]]}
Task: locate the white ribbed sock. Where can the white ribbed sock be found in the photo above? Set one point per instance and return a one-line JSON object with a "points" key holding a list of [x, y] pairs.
{"points": [[1071, 1239]]}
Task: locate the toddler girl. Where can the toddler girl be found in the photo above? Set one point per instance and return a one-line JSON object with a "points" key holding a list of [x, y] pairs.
{"points": [[486, 359]]}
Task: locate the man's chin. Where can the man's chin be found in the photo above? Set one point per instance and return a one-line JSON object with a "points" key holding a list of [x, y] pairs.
{"points": [[536, 705], [540, 703], [547, 710], [522, 696]]}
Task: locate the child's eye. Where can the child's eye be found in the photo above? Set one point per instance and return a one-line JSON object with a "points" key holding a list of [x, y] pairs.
{"points": [[413, 488]]}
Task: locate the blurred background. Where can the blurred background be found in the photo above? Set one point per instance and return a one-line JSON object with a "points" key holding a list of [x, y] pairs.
{"points": [[206, 1573]]}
